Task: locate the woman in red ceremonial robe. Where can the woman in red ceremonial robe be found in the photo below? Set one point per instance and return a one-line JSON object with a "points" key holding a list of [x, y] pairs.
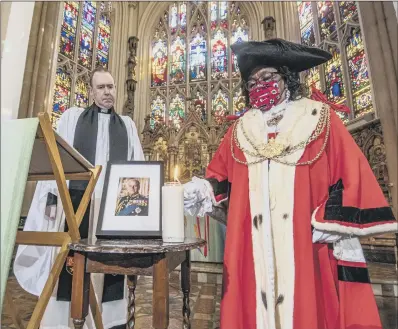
{"points": [[300, 195]]}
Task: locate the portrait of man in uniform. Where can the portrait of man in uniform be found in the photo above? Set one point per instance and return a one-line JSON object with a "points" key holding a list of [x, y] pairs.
{"points": [[133, 199]]}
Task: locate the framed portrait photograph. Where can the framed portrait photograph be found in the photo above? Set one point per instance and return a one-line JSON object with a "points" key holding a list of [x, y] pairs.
{"points": [[131, 204]]}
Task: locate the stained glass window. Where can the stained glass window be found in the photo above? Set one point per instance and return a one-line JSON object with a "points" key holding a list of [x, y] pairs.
{"points": [[177, 72], [348, 9], [213, 14], [198, 55], [327, 22], [200, 105], [223, 5], [305, 13], [68, 29], [61, 92], [313, 78], [103, 40], [239, 34], [190, 51], [347, 72], [220, 105], [306, 23], [177, 110], [334, 77], [335, 90], [159, 63], [80, 51], [173, 18], [219, 55], [308, 35], [81, 93], [87, 33], [183, 16], [358, 71], [158, 111]]}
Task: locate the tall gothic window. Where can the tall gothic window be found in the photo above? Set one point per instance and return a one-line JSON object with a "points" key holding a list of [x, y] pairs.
{"points": [[334, 26], [83, 45], [191, 61]]}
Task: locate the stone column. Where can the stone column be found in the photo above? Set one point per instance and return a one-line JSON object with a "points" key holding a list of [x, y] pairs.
{"points": [[5, 8], [124, 20], [41, 60], [119, 50], [14, 57], [381, 46]]}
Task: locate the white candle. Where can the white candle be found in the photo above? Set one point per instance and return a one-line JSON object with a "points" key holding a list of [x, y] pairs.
{"points": [[173, 212]]}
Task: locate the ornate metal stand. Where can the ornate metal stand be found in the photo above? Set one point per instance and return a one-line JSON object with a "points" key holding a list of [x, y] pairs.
{"points": [[186, 287], [131, 285]]}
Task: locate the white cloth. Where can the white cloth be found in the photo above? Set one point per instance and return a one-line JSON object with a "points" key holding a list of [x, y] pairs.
{"points": [[198, 197], [32, 264], [349, 249], [324, 237]]}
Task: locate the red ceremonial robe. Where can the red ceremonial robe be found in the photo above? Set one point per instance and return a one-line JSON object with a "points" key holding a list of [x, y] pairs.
{"points": [[338, 193]]}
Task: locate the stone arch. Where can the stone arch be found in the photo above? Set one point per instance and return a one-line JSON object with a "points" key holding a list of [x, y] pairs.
{"points": [[186, 128]]}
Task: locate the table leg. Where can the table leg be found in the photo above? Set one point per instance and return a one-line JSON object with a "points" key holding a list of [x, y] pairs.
{"points": [[186, 287], [131, 285], [80, 290], [160, 299]]}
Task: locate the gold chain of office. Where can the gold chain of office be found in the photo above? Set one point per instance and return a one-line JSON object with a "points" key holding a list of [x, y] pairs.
{"points": [[275, 151]]}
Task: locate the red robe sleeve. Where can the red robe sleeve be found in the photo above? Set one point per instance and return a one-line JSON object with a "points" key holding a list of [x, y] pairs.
{"points": [[354, 204], [218, 168]]}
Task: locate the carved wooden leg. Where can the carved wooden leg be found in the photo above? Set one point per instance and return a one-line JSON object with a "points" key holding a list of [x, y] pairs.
{"points": [[186, 287], [80, 290], [160, 299], [131, 285]]}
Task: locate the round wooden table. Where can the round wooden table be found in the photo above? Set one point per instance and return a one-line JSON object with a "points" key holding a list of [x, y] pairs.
{"points": [[132, 257]]}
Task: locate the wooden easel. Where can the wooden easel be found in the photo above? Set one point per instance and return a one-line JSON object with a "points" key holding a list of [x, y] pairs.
{"points": [[53, 159]]}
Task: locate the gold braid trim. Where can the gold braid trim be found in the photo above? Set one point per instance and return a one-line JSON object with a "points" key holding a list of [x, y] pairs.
{"points": [[323, 123]]}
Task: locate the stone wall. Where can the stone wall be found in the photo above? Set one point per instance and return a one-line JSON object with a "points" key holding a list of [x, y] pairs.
{"points": [[370, 139]]}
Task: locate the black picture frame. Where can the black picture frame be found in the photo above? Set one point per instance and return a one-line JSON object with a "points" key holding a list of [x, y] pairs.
{"points": [[108, 197]]}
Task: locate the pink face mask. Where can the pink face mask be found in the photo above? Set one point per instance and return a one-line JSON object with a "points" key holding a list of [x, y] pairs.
{"points": [[265, 95]]}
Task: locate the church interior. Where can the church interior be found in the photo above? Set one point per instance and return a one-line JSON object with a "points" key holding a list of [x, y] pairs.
{"points": [[178, 80]]}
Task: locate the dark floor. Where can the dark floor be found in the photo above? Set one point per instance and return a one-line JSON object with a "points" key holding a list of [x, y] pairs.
{"points": [[205, 305]]}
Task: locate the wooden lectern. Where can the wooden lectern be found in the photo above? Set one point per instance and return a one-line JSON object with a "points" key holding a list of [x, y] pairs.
{"points": [[32, 151]]}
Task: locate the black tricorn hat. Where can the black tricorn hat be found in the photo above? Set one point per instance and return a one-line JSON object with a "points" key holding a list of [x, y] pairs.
{"points": [[277, 53]]}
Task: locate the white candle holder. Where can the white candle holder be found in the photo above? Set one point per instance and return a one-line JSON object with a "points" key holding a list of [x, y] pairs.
{"points": [[173, 212]]}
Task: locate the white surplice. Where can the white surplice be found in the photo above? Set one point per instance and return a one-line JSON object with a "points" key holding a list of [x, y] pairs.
{"points": [[32, 264]]}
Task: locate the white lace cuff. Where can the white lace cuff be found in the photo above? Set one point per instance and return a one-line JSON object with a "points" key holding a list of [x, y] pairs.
{"points": [[324, 237], [198, 197], [349, 250]]}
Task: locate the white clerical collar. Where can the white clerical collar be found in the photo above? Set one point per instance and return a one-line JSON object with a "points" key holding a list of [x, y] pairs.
{"points": [[105, 111]]}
